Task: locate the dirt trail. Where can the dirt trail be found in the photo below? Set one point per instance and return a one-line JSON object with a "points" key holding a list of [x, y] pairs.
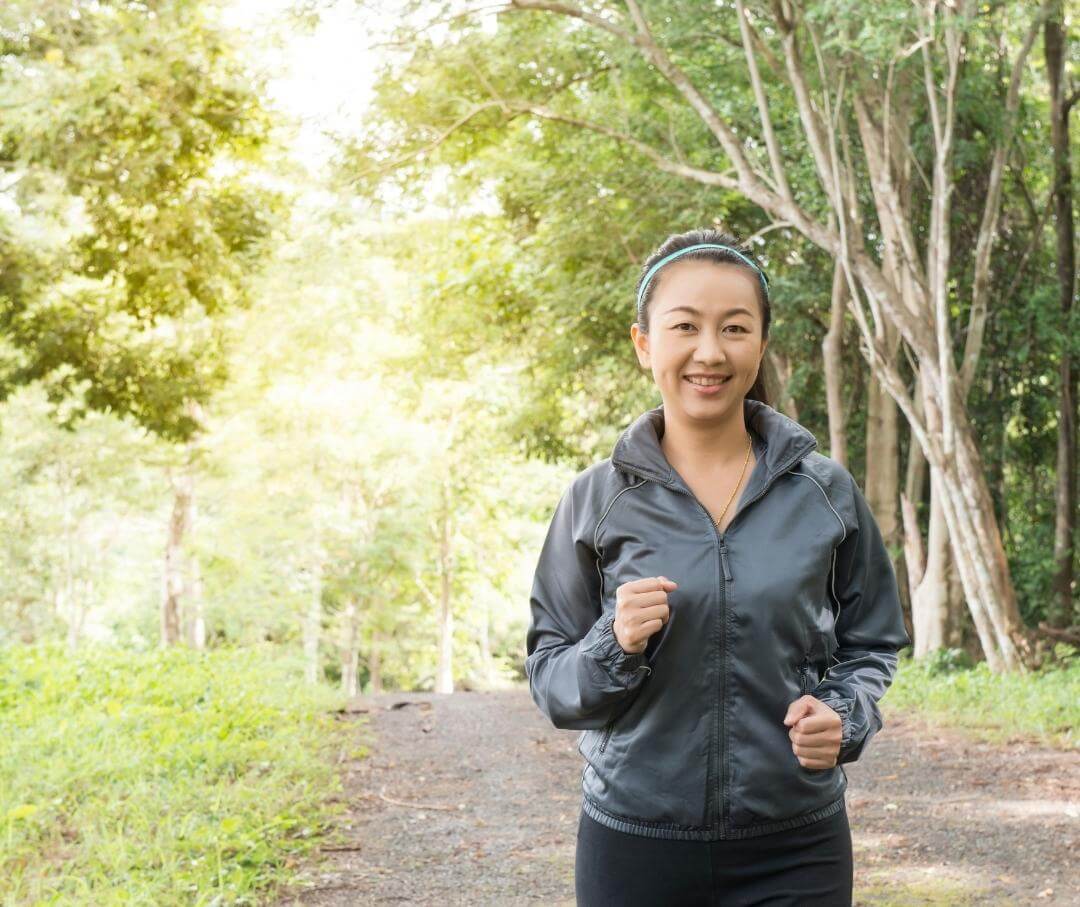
{"points": [[474, 798]]}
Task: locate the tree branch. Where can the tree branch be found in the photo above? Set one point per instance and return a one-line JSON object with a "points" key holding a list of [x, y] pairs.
{"points": [[775, 158], [811, 121], [706, 177], [992, 209]]}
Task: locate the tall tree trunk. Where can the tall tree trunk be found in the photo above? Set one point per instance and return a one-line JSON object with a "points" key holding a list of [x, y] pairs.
{"points": [[487, 666], [444, 682], [777, 379], [1061, 610], [926, 564], [197, 638], [172, 577], [957, 622], [883, 460], [980, 557], [313, 626], [375, 662], [196, 605], [350, 656], [65, 598], [930, 600], [832, 355]]}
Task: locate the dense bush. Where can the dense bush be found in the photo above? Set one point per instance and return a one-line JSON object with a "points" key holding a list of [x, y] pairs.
{"points": [[163, 777]]}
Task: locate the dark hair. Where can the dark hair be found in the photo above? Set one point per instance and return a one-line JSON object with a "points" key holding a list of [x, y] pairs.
{"points": [[678, 241]]}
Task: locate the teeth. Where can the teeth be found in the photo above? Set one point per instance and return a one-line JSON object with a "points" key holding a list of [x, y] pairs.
{"points": [[707, 382]]}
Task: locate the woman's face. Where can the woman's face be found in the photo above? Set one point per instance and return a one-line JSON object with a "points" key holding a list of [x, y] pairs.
{"points": [[704, 320]]}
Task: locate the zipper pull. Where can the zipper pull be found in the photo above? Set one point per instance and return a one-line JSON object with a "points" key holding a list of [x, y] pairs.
{"points": [[724, 562]]}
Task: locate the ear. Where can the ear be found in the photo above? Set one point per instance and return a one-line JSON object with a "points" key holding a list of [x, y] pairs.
{"points": [[641, 345]]}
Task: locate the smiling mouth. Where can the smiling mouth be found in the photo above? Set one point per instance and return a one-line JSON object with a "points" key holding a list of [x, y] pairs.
{"points": [[707, 382]]}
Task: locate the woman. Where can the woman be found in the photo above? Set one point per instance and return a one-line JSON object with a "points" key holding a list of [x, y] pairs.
{"points": [[715, 609]]}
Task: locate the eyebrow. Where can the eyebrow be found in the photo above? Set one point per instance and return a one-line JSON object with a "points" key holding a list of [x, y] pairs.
{"points": [[693, 311]]}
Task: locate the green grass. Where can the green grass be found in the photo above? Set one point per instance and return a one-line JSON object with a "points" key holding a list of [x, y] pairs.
{"points": [[931, 893], [164, 777], [1041, 706]]}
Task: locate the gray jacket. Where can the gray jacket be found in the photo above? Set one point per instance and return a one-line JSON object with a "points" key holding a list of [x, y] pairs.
{"points": [[686, 740]]}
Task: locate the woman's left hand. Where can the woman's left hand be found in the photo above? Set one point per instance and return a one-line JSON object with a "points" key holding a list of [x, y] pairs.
{"points": [[816, 732]]}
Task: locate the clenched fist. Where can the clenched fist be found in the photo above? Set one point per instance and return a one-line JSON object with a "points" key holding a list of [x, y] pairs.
{"points": [[816, 732], [641, 608]]}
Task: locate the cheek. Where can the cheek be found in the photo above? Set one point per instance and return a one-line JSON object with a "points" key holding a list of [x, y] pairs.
{"points": [[664, 356]]}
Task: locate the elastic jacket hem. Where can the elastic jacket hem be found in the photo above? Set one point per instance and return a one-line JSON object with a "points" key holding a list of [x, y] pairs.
{"points": [[674, 832]]}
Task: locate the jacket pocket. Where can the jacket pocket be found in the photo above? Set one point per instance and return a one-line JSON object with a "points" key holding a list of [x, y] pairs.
{"points": [[652, 650], [809, 676], [608, 731], [609, 728], [587, 743]]}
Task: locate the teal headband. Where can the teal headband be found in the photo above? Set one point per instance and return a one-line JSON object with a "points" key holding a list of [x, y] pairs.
{"points": [[703, 245]]}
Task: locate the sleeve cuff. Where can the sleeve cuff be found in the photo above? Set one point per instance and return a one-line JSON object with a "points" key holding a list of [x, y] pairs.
{"points": [[842, 707], [606, 649]]}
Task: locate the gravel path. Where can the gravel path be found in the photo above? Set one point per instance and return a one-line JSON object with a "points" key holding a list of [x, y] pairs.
{"points": [[474, 798]]}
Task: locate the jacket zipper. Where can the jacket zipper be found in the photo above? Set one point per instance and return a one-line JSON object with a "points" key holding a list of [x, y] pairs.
{"points": [[804, 670], [607, 735], [609, 727], [726, 577], [725, 664]]}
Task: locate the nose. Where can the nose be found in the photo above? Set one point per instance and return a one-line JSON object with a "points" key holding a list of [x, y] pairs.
{"points": [[709, 348]]}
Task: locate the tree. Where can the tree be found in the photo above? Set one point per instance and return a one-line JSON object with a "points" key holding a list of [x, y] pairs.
{"points": [[1063, 95], [116, 117], [126, 120], [839, 75]]}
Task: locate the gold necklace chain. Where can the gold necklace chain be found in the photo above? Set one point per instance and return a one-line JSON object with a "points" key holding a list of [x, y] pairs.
{"points": [[749, 447]]}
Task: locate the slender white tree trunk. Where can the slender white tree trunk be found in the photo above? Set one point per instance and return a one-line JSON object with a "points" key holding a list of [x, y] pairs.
{"points": [[312, 629], [444, 682], [172, 576], [196, 604], [487, 665], [375, 663], [832, 354], [930, 599], [350, 656]]}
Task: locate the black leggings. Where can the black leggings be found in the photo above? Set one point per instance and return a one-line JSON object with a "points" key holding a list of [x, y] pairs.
{"points": [[809, 866]]}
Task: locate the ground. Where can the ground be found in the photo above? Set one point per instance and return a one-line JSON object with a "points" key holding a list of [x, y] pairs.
{"points": [[473, 798]]}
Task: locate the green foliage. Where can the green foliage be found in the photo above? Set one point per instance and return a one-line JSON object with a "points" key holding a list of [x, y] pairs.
{"points": [[129, 128], [163, 777], [75, 510], [945, 660], [1043, 705], [578, 207]]}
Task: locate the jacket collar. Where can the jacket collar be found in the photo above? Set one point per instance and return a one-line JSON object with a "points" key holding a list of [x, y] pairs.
{"points": [[779, 443]]}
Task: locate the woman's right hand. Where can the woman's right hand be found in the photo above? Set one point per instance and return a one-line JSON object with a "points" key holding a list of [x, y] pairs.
{"points": [[641, 609]]}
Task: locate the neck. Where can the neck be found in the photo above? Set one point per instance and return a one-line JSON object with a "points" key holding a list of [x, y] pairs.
{"points": [[706, 445]]}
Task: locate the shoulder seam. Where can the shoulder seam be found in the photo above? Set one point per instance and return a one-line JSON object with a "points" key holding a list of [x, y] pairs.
{"points": [[607, 510], [843, 528], [825, 495], [596, 534]]}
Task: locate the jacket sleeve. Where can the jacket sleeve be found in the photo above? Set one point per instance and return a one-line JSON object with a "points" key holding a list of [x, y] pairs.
{"points": [[578, 672], [869, 631]]}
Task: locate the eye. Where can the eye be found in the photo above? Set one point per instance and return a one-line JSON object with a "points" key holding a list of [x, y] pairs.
{"points": [[683, 324], [740, 327]]}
